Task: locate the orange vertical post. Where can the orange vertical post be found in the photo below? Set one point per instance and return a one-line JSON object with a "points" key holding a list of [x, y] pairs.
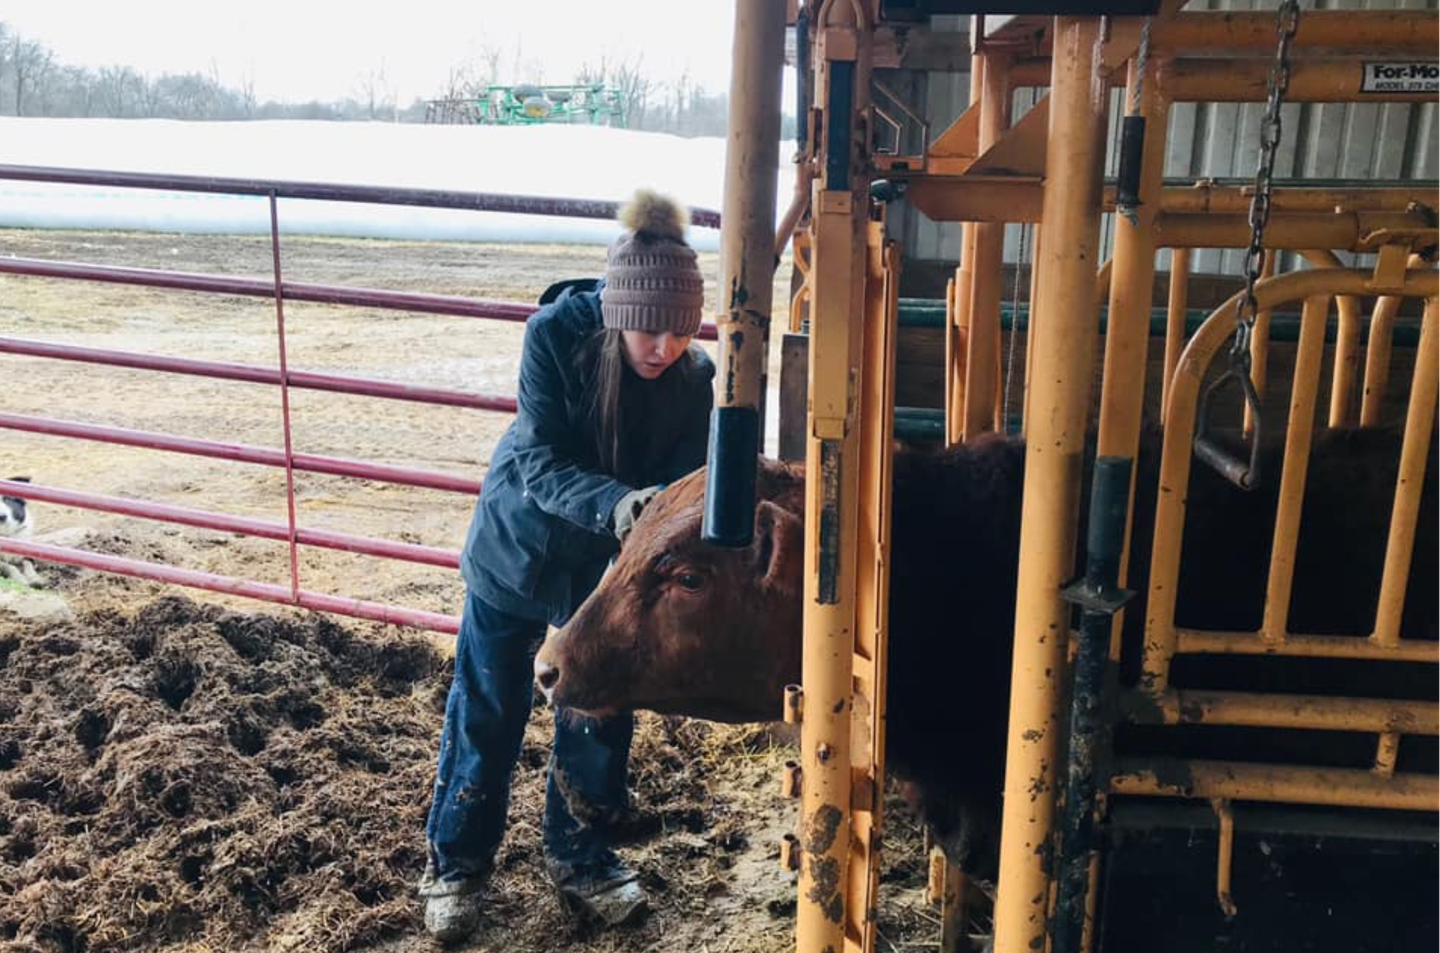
{"points": [[982, 365], [1063, 345]]}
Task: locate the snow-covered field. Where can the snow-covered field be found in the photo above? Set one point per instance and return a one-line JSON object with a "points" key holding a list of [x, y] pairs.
{"points": [[587, 162]]}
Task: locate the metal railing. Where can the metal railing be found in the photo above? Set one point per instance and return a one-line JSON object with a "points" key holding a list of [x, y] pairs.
{"points": [[281, 376]]}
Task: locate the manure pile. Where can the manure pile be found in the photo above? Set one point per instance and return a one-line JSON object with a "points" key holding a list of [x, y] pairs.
{"points": [[197, 774], [187, 777]]}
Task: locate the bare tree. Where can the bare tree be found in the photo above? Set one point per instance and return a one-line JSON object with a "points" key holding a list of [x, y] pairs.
{"points": [[66, 91], [117, 91], [685, 98], [467, 85], [193, 96], [150, 98], [375, 92], [525, 69], [635, 89], [4, 56], [490, 63], [707, 114], [592, 75], [29, 62], [247, 94], [457, 81]]}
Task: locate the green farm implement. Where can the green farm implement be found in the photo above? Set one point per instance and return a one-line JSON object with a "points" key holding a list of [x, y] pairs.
{"points": [[528, 104]]}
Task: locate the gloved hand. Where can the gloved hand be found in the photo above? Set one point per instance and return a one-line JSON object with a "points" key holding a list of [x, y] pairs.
{"points": [[628, 510]]}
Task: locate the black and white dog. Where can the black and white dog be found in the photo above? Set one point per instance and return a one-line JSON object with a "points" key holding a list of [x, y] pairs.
{"points": [[16, 522]]}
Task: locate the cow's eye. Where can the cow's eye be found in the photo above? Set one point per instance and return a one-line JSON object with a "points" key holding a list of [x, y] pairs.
{"points": [[689, 581]]}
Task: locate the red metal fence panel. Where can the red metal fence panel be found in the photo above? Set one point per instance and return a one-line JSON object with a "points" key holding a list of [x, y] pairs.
{"points": [[278, 290]]}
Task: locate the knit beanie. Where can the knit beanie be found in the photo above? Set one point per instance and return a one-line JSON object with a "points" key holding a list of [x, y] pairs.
{"points": [[652, 282]]}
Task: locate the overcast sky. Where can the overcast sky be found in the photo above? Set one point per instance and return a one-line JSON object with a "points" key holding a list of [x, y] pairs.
{"points": [[297, 50]]}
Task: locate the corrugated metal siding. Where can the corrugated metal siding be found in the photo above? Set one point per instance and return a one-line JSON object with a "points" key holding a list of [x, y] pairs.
{"points": [[1221, 140]]}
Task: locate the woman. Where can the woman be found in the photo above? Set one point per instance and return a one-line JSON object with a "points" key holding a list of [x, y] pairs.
{"points": [[614, 403]]}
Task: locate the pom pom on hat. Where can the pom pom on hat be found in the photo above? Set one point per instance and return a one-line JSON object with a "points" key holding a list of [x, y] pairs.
{"points": [[652, 280], [654, 216]]}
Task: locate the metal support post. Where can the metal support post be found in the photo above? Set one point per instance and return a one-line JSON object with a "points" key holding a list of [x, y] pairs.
{"points": [[1175, 320], [987, 285], [838, 265], [1132, 279], [957, 331], [872, 597], [748, 271], [1064, 345], [1099, 598]]}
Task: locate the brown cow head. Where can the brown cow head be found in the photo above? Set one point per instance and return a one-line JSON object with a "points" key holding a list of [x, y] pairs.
{"points": [[682, 627]]}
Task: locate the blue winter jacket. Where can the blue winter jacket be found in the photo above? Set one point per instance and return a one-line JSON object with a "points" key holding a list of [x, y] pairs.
{"points": [[541, 535]]}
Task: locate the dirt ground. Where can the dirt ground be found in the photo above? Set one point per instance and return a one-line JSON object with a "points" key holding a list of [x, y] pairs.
{"points": [[182, 770]]}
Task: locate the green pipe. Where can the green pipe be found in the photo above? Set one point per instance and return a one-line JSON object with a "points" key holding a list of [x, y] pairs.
{"points": [[919, 424], [930, 313]]}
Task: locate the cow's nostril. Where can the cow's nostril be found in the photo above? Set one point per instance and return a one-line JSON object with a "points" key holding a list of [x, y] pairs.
{"points": [[546, 675]]}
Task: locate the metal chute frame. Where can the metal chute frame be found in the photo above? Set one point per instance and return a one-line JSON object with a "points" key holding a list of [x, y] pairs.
{"points": [[1048, 169]]}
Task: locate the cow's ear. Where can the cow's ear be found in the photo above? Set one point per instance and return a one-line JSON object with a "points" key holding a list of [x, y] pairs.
{"points": [[778, 547]]}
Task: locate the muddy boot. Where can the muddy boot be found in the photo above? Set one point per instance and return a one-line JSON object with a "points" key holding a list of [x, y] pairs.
{"points": [[452, 907], [585, 801], [611, 895]]}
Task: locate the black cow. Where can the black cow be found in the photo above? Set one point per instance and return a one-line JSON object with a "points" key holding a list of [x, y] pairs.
{"points": [[678, 626]]}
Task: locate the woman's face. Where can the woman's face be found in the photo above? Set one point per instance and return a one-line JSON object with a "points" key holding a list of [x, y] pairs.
{"points": [[651, 355]]}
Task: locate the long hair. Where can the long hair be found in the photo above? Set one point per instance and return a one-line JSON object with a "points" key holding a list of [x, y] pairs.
{"points": [[627, 413], [608, 350]]}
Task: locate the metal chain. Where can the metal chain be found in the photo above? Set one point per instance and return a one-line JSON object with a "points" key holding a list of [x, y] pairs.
{"points": [[1287, 22], [1142, 60]]}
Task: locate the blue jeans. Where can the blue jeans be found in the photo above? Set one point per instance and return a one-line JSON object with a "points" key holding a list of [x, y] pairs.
{"points": [[485, 717]]}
